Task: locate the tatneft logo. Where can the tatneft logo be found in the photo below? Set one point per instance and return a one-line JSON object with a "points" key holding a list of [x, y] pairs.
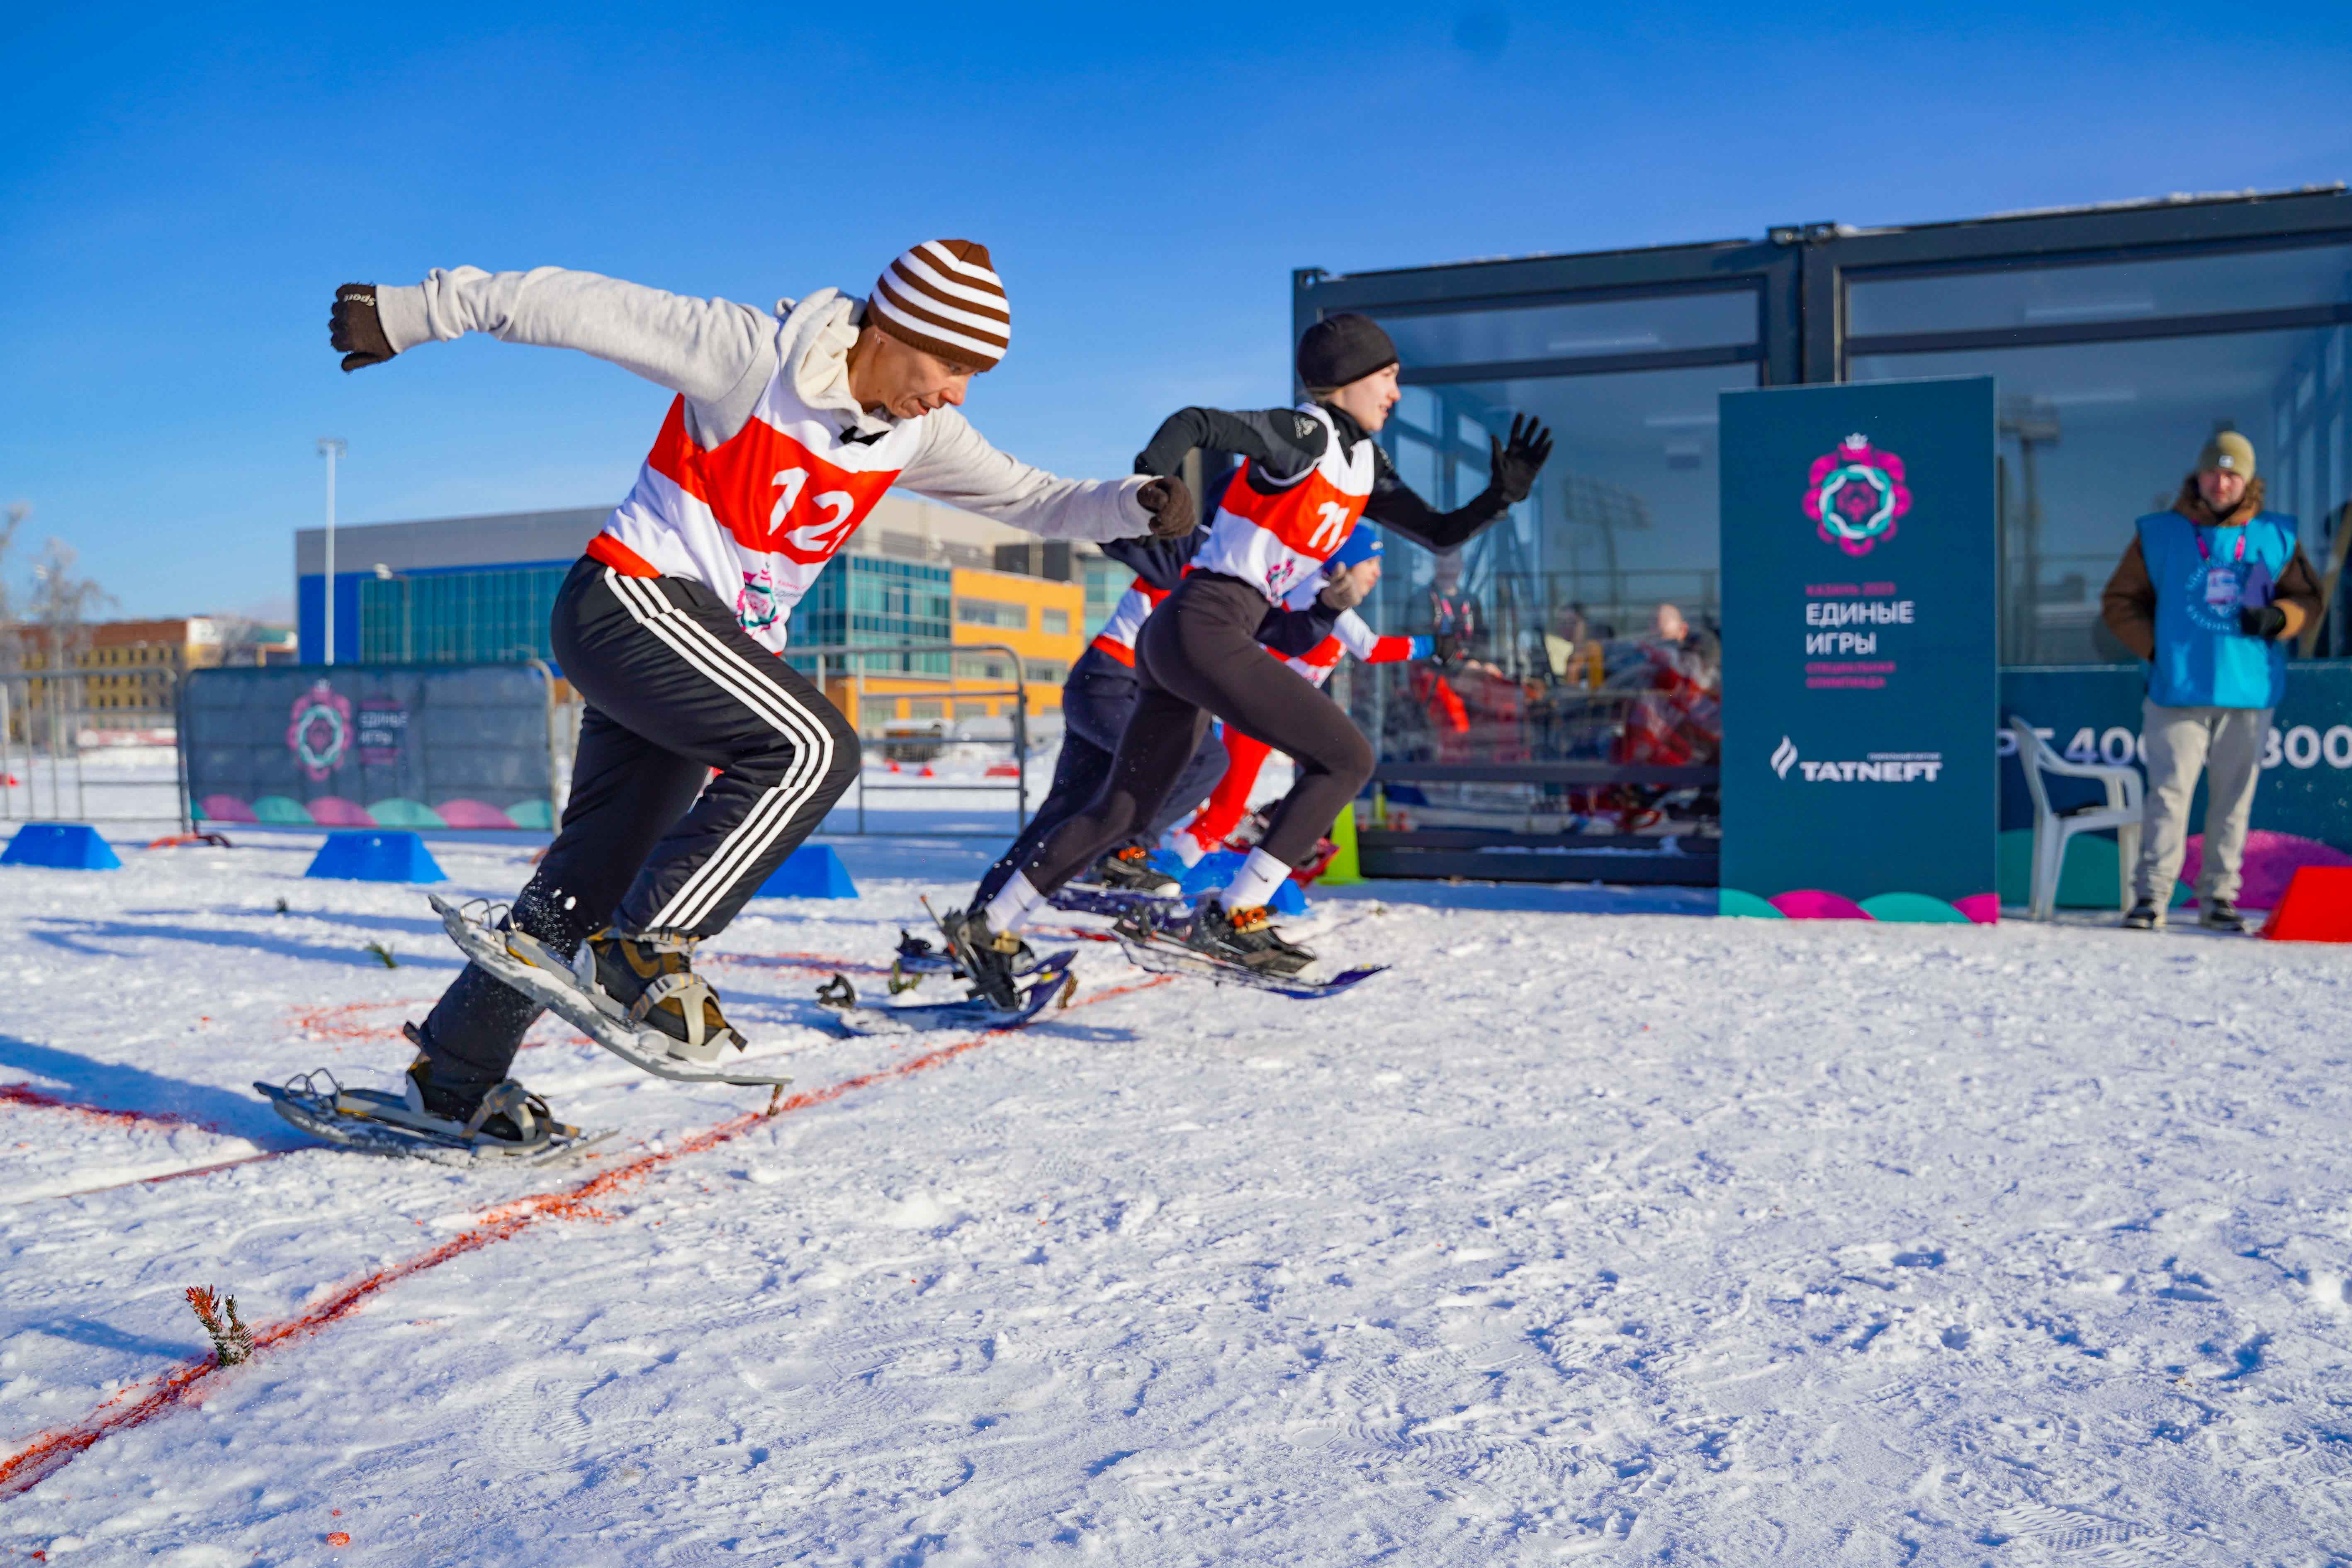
{"points": [[1878, 767]]}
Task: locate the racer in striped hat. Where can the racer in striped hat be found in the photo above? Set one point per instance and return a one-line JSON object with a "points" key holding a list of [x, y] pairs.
{"points": [[787, 428]]}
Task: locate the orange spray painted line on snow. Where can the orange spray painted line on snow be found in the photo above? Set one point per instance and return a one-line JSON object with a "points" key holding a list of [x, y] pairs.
{"points": [[52, 1450]]}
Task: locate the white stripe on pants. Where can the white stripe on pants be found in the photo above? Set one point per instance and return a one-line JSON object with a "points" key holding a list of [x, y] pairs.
{"points": [[727, 668]]}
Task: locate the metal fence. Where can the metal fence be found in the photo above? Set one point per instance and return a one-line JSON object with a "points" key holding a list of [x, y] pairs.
{"points": [[858, 678], [235, 747], [64, 759]]}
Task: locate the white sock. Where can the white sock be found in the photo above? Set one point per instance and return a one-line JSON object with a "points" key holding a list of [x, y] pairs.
{"points": [[1188, 848], [1012, 904], [1254, 883]]}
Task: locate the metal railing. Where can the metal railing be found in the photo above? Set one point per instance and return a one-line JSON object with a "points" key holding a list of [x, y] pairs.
{"points": [[50, 734], [844, 673]]}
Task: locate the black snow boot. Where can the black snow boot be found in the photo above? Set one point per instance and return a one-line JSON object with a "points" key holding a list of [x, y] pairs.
{"points": [[651, 975], [1246, 937], [504, 1116], [2221, 914], [1131, 870], [2144, 916], [986, 957]]}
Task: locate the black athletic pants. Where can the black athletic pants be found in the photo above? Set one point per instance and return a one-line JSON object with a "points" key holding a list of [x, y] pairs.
{"points": [[1199, 655], [675, 689], [1097, 701]]}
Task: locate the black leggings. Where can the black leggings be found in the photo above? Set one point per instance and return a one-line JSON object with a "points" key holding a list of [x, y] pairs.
{"points": [[1199, 655], [1096, 702]]}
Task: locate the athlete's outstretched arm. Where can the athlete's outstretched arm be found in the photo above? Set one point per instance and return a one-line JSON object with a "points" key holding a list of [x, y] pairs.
{"points": [[1513, 466], [1356, 635], [1158, 561], [1281, 441], [957, 465], [705, 349]]}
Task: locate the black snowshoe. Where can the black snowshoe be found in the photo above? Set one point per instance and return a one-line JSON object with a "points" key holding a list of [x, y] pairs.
{"points": [[1246, 937], [1131, 870], [1241, 948], [503, 1122], [917, 959], [986, 958]]}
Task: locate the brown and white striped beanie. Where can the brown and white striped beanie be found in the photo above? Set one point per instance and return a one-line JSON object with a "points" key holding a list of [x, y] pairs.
{"points": [[941, 298]]}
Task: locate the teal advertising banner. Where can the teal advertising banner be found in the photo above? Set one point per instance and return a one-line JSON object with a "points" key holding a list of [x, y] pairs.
{"points": [[1859, 681]]}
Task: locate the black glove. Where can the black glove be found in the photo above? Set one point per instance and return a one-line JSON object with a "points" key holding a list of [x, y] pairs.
{"points": [[2266, 622], [1343, 592], [354, 330], [1513, 465], [1170, 505]]}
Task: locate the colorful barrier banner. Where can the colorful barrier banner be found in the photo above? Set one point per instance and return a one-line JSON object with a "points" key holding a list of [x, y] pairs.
{"points": [[1858, 628], [409, 746]]}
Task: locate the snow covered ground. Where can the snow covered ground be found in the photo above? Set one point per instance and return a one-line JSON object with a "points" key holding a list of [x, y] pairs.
{"points": [[1623, 1237]]}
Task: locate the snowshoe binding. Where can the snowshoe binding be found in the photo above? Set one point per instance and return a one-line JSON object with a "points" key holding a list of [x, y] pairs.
{"points": [[1131, 870], [985, 957], [636, 994], [1050, 983], [444, 1123], [1246, 937], [917, 959], [1241, 948]]}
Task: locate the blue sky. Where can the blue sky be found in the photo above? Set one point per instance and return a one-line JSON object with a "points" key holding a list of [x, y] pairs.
{"points": [[180, 190]]}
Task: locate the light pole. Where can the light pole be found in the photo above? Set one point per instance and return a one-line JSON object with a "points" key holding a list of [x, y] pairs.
{"points": [[330, 448]]}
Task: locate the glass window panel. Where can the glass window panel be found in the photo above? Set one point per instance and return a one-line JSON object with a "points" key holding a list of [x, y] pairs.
{"points": [[2098, 293], [2093, 436], [1567, 594], [1654, 325]]}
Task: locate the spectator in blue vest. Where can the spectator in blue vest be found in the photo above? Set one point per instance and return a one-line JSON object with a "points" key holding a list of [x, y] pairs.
{"points": [[2208, 593]]}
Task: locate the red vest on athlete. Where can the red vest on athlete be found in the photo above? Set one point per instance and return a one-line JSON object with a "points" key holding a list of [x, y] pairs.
{"points": [[1276, 542], [755, 518], [1127, 617]]}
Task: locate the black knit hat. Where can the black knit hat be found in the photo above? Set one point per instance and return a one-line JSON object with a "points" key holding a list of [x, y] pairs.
{"points": [[1340, 349]]}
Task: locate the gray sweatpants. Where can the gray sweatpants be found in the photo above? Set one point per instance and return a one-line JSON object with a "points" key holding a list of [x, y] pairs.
{"points": [[2227, 744]]}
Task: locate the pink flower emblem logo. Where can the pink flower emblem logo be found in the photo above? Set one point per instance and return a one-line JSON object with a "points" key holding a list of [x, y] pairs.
{"points": [[1856, 494], [321, 729]]}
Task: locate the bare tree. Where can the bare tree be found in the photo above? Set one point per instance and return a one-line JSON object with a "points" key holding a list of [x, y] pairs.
{"points": [[61, 606], [11, 655]]}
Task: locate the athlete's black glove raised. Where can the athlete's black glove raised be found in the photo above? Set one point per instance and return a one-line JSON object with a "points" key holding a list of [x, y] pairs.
{"points": [[1346, 589], [2267, 621], [354, 329], [1515, 463], [1170, 505]]}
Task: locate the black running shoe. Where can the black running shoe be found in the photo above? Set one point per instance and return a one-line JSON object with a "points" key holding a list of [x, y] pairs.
{"points": [[1131, 870], [2144, 916], [1246, 937], [987, 958], [2221, 914]]}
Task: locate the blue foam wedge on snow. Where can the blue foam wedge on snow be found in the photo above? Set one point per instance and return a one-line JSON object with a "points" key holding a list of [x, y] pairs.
{"points": [[811, 871], [390, 857], [1211, 871], [65, 846]]}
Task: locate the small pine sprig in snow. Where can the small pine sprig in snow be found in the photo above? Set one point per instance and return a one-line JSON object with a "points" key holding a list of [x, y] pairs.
{"points": [[232, 1341], [384, 954]]}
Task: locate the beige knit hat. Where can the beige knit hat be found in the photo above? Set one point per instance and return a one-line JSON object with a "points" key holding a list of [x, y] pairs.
{"points": [[941, 298], [2228, 452]]}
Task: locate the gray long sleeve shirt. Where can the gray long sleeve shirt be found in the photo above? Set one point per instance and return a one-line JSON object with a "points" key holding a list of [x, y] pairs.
{"points": [[720, 356]]}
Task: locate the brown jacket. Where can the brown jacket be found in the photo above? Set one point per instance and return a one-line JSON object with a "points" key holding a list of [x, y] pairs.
{"points": [[2128, 605]]}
